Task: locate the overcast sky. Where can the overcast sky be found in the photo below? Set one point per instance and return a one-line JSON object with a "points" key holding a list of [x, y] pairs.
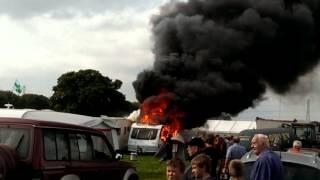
{"points": [[42, 39]]}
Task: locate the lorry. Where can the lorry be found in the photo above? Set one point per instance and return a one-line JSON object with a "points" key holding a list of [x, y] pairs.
{"points": [[282, 133], [307, 132]]}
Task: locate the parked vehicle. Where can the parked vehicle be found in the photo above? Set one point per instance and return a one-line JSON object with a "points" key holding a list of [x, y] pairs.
{"points": [[297, 166], [144, 138], [115, 128], [36, 149], [280, 138], [305, 131]]}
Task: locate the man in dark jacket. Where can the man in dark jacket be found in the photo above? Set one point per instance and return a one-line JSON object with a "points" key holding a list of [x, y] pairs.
{"points": [[268, 165], [194, 147]]}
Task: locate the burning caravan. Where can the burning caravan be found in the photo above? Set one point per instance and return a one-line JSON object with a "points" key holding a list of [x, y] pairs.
{"points": [[144, 138]]}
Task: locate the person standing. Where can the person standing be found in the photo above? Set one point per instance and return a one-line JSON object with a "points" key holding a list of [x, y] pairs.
{"points": [[268, 165], [235, 151], [212, 153], [200, 165], [194, 147], [175, 169]]}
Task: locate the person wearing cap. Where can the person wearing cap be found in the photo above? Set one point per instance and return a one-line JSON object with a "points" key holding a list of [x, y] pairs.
{"points": [[296, 147], [194, 147]]}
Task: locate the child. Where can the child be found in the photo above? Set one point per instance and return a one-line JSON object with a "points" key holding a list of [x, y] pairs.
{"points": [[175, 169], [201, 165]]}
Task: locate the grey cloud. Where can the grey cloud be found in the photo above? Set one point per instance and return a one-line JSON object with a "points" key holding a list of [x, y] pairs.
{"points": [[69, 8]]}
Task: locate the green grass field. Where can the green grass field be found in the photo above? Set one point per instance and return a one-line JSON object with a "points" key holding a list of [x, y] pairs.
{"points": [[148, 167]]}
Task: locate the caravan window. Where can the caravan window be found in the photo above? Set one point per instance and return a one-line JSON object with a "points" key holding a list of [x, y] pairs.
{"points": [[144, 133]]}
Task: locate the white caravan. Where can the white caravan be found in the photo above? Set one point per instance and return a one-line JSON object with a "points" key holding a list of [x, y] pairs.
{"points": [[144, 138]]}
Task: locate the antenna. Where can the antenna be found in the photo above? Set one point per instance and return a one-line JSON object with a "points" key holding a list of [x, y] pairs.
{"points": [[279, 111], [308, 111]]}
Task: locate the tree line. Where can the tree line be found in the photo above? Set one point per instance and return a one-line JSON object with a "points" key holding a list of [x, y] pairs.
{"points": [[85, 92]]}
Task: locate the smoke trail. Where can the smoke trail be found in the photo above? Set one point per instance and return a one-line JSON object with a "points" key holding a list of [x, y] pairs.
{"points": [[220, 55]]}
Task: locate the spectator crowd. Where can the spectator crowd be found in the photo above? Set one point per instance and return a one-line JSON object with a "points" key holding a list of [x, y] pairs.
{"points": [[213, 157]]}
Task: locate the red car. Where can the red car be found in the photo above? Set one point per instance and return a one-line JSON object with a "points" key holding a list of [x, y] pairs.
{"points": [[33, 149]]}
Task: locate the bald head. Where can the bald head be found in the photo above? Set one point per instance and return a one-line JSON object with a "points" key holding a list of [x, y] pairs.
{"points": [[259, 143]]}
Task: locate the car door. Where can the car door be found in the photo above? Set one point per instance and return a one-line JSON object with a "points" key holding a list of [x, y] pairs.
{"points": [[55, 163], [92, 157]]}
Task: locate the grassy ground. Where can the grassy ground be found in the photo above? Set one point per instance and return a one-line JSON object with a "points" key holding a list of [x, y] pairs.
{"points": [[148, 167]]}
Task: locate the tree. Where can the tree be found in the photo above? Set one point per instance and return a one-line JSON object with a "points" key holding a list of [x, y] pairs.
{"points": [[31, 101], [88, 92], [8, 97]]}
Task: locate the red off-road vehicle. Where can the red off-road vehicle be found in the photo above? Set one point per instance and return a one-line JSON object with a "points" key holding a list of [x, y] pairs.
{"points": [[34, 149]]}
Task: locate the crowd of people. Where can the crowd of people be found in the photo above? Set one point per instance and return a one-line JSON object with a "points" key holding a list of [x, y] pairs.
{"points": [[218, 158]]}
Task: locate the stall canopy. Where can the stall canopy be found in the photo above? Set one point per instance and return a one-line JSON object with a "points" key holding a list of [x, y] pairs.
{"points": [[228, 126]]}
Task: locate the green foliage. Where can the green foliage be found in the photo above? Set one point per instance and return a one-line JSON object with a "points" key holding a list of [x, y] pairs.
{"points": [[149, 167], [34, 101], [31, 101], [90, 93], [8, 97]]}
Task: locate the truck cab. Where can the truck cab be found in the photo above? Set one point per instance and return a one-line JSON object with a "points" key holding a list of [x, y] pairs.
{"points": [[307, 133]]}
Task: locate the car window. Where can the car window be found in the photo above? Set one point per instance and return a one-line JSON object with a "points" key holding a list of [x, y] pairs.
{"points": [[101, 149], [55, 145], [16, 138], [85, 147], [74, 148], [62, 146]]}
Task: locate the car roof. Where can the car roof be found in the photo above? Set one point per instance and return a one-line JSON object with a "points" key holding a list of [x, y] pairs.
{"points": [[310, 160], [43, 123]]}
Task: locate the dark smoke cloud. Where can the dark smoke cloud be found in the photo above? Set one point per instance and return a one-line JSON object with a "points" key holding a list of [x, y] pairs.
{"points": [[220, 55]]}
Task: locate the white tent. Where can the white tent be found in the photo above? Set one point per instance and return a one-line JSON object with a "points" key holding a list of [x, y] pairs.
{"points": [[228, 126]]}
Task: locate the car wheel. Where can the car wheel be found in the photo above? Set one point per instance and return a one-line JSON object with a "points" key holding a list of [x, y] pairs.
{"points": [[130, 174], [70, 177], [8, 161], [133, 177]]}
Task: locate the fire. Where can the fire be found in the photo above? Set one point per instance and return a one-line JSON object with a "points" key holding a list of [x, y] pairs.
{"points": [[161, 110]]}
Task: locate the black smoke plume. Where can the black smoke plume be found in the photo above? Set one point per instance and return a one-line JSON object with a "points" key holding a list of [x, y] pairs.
{"points": [[220, 55]]}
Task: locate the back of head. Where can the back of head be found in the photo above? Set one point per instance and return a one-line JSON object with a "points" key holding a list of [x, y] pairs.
{"points": [[209, 139], [236, 139], [196, 142], [236, 168]]}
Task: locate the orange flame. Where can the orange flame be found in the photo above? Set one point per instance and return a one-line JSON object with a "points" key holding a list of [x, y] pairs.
{"points": [[160, 110]]}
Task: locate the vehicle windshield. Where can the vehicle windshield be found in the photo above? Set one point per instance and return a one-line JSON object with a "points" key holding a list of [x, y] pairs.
{"points": [[16, 138], [144, 133]]}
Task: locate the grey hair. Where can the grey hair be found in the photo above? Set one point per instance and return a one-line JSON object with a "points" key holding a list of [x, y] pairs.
{"points": [[263, 139], [297, 143]]}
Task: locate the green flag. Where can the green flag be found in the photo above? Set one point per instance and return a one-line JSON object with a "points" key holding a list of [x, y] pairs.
{"points": [[18, 88]]}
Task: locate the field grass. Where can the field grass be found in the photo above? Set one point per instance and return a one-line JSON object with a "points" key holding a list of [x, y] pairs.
{"points": [[148, 167]]}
